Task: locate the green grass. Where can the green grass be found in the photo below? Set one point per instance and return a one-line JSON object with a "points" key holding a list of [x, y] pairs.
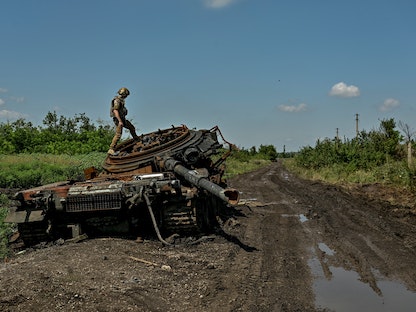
{"points": [[236, 167], [5, 228], [28, 170], [392, 173]]}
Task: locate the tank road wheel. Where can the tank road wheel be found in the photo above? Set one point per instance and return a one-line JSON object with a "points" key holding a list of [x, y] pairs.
{"points": [[33, 233], [207, 210], [200, 216], [179, 218]]}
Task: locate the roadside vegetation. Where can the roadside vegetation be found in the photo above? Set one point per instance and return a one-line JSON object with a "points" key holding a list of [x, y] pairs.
{"points": [[6, 229], [58, 135], [381, 155]]}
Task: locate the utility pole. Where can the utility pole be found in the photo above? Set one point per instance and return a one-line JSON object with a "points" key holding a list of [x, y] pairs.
{"points": [[337, 138], [356, 125]]}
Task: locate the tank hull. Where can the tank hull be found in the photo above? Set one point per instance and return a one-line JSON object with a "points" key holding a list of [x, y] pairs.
{"points": [[166, 182]]}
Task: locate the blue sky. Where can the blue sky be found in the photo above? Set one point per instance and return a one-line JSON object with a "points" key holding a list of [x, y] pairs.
{"points": [[280, 72]]}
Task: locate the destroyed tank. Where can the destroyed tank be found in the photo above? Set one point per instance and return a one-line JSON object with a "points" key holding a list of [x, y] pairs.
{"points": [[164, 182]]}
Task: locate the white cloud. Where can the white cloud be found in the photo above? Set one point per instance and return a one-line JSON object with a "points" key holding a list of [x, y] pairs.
{"points": [[19, 99], [6, 114], [389, 104], [342, 90], [217, 4], [293, 108]]}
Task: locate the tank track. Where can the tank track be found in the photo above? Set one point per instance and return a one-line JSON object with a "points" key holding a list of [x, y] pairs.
{"points": [[105, 225], [33, 233], [179, 219], [198, 217]]}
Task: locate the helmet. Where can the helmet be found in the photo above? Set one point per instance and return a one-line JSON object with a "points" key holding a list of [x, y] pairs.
{"points": [[123, 92]]}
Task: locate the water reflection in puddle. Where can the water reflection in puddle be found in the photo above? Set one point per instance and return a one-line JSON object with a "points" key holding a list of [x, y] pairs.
{"points": [[323, 247], [302, 217], [345, 292]]}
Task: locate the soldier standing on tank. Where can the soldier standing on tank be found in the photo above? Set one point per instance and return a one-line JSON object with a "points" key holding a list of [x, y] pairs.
{"points": [[118, 112]]}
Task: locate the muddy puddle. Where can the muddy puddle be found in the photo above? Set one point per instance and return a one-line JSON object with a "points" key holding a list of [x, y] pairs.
{"points": [[342, 291]]}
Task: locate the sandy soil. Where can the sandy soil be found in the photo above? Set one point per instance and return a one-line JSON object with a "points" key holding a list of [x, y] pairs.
{"points": [[258, 262]]}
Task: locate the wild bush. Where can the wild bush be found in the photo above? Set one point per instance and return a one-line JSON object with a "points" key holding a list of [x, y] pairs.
{"points": [[6, 229], [58, 135], [368, 150]]}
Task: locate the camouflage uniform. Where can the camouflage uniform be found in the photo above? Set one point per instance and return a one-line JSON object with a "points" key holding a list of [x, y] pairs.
{"points": [[119, 104]]}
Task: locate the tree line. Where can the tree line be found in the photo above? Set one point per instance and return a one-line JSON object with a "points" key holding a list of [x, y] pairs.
{"points": [[366, 151], [57, 135], [79, 135]]}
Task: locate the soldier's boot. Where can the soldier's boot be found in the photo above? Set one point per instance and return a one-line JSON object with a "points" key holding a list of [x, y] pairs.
{"points": [[111, 152], [113, 145], [134, 135]]}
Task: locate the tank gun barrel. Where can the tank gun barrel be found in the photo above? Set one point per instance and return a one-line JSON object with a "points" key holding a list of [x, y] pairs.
{"points": [[229, 195]]}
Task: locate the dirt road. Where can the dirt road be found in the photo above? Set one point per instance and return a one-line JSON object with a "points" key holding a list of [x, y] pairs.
{"points": [[285, 236]]}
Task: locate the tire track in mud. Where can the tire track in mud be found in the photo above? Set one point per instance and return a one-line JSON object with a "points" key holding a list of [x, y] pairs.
{"points": [[274, 277], [361, 233], [364, 239]]}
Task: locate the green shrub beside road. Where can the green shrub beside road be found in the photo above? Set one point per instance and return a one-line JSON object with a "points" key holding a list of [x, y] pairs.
{"points": [[5, 228]]}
